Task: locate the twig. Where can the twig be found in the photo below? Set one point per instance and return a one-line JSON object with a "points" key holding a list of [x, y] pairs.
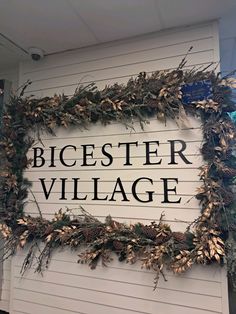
{"points": [[36, 202], [183, 61], [23, 87]]}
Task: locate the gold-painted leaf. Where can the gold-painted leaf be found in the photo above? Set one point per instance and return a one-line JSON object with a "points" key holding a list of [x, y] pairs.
{"points": [[217, 257]]}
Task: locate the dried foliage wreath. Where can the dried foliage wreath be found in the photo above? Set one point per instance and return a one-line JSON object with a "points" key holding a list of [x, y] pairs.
{"points": [[207, 240]]}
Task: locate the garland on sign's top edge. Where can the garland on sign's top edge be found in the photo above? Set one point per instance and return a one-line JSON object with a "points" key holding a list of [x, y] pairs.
{"points": [[208, 239]]}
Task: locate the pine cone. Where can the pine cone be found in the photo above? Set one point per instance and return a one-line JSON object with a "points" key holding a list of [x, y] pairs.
{"points": [[219, 97], [91, 234], [208, 152], [49, 229], [20, 230], [149, 232], [179, 237], [228, 196], [162, 239], [118, 245], [227, 155], [228, 172], [32, 228]]}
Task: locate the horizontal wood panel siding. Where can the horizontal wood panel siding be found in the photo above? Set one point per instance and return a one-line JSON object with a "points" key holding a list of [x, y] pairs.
{"points": [[10, 75], [67, 287], [187, 209], [6, 286]]}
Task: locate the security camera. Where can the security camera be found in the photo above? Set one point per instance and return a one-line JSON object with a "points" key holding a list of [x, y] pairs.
{"points": [[36, 53]]}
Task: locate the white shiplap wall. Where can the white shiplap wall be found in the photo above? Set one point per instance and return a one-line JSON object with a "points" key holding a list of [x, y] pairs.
{"points": [[132, 210], [119, 289], [12, 76], [5, 290]]}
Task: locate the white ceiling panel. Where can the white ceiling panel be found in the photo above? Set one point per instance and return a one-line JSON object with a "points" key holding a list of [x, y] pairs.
{"points": [[51, 25], [7, 57], [116, 19], [10, 54], [186, 12], [59, 25]]}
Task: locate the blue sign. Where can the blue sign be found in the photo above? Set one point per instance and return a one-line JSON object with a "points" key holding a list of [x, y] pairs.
{"points": [[196, 91]]}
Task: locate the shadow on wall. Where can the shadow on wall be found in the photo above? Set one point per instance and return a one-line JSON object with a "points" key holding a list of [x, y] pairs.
{"points": [[232, 301], [232, 305]]}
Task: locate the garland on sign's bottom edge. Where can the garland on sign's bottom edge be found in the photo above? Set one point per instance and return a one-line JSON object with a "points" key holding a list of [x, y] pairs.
{"points": [[209, 239]]}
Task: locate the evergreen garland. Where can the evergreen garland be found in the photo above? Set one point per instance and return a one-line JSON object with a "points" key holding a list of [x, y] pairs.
{"points": [[210, 238]]}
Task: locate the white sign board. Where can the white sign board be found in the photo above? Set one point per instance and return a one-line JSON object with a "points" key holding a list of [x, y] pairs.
{"points": [[129, 173]]}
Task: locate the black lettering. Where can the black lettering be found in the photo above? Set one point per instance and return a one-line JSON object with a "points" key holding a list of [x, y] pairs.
{"points": [[76, 191], [120, 190], [149, 193], [38, 152], [127, 146], [95, 195], [61, 156], [52, 156], [149, 152], [173, 151], [47, 193], [87, 154], [167, 190], [105, 153], [63, 189]]}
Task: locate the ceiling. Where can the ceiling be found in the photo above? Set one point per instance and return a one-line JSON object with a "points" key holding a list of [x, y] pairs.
{"points": [[59, 25]]}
